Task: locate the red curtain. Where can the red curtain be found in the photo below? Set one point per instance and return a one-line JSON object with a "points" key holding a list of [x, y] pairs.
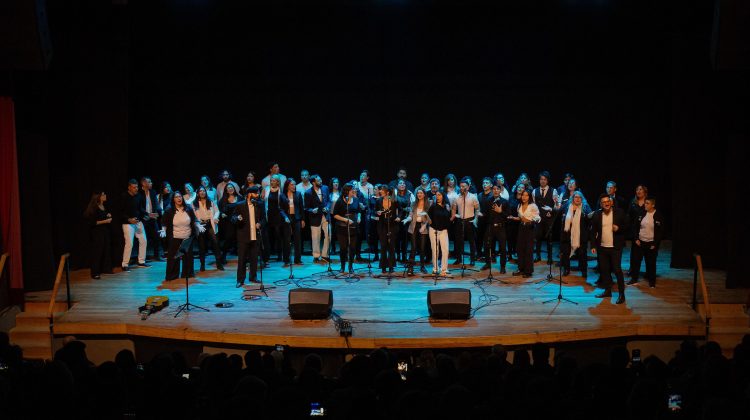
{"points": [[10, 210]]}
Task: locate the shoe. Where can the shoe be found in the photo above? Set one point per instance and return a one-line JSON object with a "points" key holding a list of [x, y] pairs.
{"points": [[566, 272], [125, 268], [526, 275], [422, 270], [144, 265], [632, 282], [485, 267], [620, 299], [604, 294], [502, 270], [325, 259], [239, 284], [220, 267], [445, 274], [96, 277], [434, 272], [537, 259], [316, 260], [517, 273]]}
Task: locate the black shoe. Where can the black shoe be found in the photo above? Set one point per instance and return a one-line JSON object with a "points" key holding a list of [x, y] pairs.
{"points": [[125, 268], [604, 294], [144, 265], [239, 284], [502, 270], [517, 273], [537, 259], [96, 277], [422, 270], [566, 272], [316, 260], [526, 275], [620, 299], [485, 267], [203, 267], [390, 270], [652, 285], [220, 267], [632, 282]]}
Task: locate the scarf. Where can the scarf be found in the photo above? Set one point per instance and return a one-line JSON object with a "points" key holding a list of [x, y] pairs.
{"points": [[573, 225]]}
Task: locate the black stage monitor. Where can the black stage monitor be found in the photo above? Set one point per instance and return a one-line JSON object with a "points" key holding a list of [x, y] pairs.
{"points": [[449, 303], [305, 303]]}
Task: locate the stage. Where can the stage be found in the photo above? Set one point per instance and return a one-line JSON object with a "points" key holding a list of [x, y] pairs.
{"points": [[394, 315]]}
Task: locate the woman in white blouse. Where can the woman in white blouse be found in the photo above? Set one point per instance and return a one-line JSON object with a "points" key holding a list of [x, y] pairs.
{"points": [[179, 223], [418, 221], [188, 195], [210, 190], [207, 212], [528, 217]]}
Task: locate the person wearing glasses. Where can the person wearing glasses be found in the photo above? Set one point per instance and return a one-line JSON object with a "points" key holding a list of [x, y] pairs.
{"points": [[607, 238]]}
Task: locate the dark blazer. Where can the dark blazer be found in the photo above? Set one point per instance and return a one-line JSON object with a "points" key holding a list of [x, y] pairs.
{"points": [[243, 226], [299, 209], [166, 221], [131, 207], [389, 217], [620, 218], [313, 202], [658, 226], [154, 197]]}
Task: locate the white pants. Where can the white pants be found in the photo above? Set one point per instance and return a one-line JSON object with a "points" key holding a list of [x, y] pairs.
{"points": [[315, 233], [129, 231], [442, 238]]}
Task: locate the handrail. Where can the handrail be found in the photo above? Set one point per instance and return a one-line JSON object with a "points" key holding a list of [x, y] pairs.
{"points": [[3, 258], [704, 290], [62, 265]]}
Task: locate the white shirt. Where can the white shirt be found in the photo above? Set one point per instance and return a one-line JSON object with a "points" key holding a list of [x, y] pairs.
{"points": [[147, 194], [291, 204], [420, 209], [646, 233], [266, 182], [452, 196], [251, 212], [366, 189], [181, 225], [543, 191], [505, 194], [531, 213], [466, 204], [189, 198], [608, 238]]}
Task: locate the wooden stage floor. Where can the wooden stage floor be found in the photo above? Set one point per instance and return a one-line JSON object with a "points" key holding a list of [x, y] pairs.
{"points": [[393, 315]]}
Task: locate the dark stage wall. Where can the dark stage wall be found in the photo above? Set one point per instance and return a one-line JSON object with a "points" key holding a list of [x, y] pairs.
{"points": [[608, 90]]}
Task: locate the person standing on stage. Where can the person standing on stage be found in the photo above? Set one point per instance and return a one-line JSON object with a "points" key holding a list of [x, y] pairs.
{"points": [[440, 222], [434, 188], [249, 182], [163, 202], [418, 221], [636, 209], [497, 218], [465, 212], [346, 211], [562, 189], [226, 178], [189, 194], [424, 182], [401, 175], [365, 192], [229, 200], [546, 199], [650, 228], [334, 188], [388, 226], [179, 223], [249, 219], [317, 206], [99, 220], [151, 214], [607, 237], [211, 192], [131, 216], [278, 221], [484, 198], [574, 234], [513, 223], [404, 199], [528, 217], [500, 182], [273, 169], [617, 201], [296, 212], [372, 227], [207, 213], [450, 185]]}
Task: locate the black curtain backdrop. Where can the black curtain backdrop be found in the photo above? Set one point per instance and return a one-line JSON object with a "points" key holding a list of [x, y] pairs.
{"points": [[616, 90]]}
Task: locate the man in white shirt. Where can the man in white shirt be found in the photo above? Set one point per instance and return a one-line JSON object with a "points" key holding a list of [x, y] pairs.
{"points": [[465, 208], [608, 227], [546, 199], [273, 169]]}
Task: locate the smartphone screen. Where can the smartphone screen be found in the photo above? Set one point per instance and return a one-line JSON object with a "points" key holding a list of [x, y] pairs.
{"points": [[675, 403], [316, 410], [279, 347], [636, 355], [403, 367]]}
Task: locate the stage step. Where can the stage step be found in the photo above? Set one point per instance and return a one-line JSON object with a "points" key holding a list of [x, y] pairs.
{"points": [[43, 307], [729, 323], [34, 319]]}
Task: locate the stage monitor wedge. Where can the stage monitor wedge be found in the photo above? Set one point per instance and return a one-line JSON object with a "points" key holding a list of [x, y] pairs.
{"points": [[454, 303], [306, 303]]}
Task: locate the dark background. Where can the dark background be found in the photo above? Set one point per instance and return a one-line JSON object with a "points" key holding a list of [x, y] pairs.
{"points": [[652, 92]]}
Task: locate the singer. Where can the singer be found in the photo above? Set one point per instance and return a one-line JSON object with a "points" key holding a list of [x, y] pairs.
{"points": [[346, 211], [249, 219]]}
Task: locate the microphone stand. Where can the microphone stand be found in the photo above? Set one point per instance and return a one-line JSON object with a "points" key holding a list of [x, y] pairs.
{"points": [[560, 297], [550, 277], [187, 306], [367, 237], [490, 261], [262, 288]]}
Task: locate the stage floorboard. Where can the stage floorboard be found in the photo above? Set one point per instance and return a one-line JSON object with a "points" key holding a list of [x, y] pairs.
{"points": [[393, 315]]}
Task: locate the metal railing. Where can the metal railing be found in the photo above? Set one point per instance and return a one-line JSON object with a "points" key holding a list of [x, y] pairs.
{"points": [[698, 275], [63, 265]]}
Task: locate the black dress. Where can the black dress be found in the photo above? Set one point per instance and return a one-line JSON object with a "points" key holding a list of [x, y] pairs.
{"points": [[101, 243], [346, 234]]}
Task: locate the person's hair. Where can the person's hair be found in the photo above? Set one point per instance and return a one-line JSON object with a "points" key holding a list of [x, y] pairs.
{"points": [[250, 173], [364, 171], [143, 178], [614, 184], [254, 190], [401, 181], [191, 186], [287, 183], [402, 168], [330, 186], [93, 204], [527, 192], [424, 174], [446, 200], [226, 191], [487, 179], [449, 177], [184, 203], [276, 177], [498, 175], [132, 181], [271, 164], [645, 189], [345, 191], [652, 200], [315, 176], [573, 180], [465, 180], [544, 174], [221, 173], [568, 175], [604, 195], [198, 197], [304, 170], [384, 187], [210, 184], [435, 180]]}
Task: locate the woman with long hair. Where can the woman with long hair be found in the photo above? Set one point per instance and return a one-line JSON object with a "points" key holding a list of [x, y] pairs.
{"points": [[418, 221], [388, 227], [207, 212], [296, 212], [227, 232], [278, 221], [404, 199], [450, 191], [99, 220], [528, 217], [210, 190], [574, 234], [346, 212], [439, 214], [334, 192], [636, 209], [188, 193], [515, 200], [178, 224], [249, 183]]}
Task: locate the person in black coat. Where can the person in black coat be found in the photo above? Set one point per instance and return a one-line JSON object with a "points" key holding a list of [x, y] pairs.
{"points": [[295, 210], [248, 235], [389, 220], [649, 230], [347, 213], [607, 237], [278, 222], [99, 220], [574, 231], [317, 206], [230, 198], [498, 210], [131, 218], [180, 226]]}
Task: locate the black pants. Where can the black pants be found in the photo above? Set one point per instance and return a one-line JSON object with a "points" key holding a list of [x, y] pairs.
{"points": [[637, 254], [418, 240], [229, 233], [402, 243], [282, 235], [610, 260], [525, 248], [583, 261], [373, 238], [465, 230], [206, 239], [152, 236], [388, 245], [101, 250], [494, 233], [512, 231], [361, 235], [347, 237], [173, 264], [482, 227], [543, 233], [247, 251], [296, 231]]}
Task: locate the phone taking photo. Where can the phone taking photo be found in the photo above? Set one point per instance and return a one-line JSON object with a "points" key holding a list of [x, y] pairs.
{"points": [[674, 403], [403, 368], [317, 410], [636, 355]]}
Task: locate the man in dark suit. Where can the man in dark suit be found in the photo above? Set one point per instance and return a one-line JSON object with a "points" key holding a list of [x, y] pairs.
{"points": [[249, 219], [150, 209], [618, 202], [317, 202], [607, 238]]}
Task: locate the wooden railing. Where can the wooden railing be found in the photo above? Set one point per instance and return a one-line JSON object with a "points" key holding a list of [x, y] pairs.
{"points": [[3, 259], [63, 265], [698, 275]]}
